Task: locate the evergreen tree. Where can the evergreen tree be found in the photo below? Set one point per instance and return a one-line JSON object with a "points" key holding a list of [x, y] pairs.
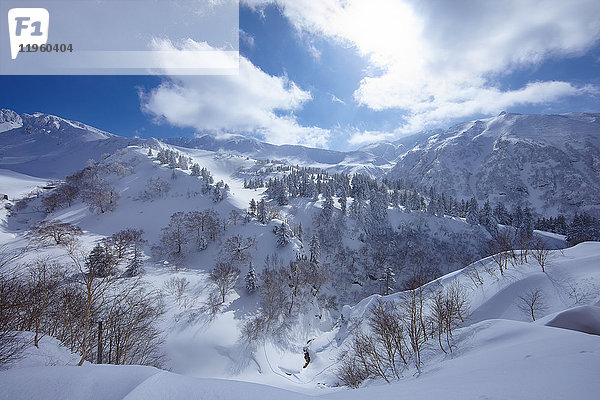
{"points": [[487, 219], [252, 208], [283, 235], [388, 279], [100, 262], [472, 216], [378, 212], [195, 170], [251, 285], [343, 203], [327, 211], [261, 212], [501, 214], [315, 249]]}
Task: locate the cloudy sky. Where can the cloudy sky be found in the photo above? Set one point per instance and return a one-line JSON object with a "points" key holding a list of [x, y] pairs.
{"points": [[340, 74]]}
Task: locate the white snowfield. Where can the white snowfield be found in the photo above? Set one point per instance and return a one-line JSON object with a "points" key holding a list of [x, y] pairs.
{"points": [[497, 356], [109, 382]]}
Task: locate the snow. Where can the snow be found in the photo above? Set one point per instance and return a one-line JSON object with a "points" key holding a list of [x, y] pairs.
{"points": [[17, 185], [498, 354], [110, 382], [584, 319], [501, 359]]}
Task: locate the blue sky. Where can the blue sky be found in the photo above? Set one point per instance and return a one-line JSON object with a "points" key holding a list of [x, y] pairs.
{"points": [[340, 74]]}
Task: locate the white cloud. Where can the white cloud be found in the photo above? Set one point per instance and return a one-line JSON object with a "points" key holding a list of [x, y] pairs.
{"points": [[335, 99], [440, 60], [251, 102], [360, 138], [246, 38]]}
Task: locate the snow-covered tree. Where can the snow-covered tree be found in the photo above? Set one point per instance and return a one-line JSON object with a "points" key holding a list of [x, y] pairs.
{"points": [[388, 279], [174, 235], [378, 222], [252, 207], [315, 249], [100, 196], [100, 262], [261, 212], [251, 284], [327, 211], [283, 235], [473, 212], [224, 275], [343, 201]]}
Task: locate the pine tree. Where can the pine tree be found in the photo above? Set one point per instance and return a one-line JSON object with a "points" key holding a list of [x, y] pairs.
{"points": [[252, 208], [378, 213], [283, 236], [251, 280], [343, 204], [261, 212], [150, 152], [327, 210], [100, 262], [315, 249], [195, 170], [388, 279], [472, 216], [501, 214]]}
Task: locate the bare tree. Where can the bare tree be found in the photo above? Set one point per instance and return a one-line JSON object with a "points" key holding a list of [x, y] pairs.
{"points": [[12, 302], [156, 188], [532, 303], [60, 233], [177, 287], [235, 216], [174, 235], [130, 314], [100, 196], [237, 249], [412, 311], [94, 286], [44, 278], [122, 242], [224, 275], [502, 251], [273, 284], [541, 253], [385, 323]]}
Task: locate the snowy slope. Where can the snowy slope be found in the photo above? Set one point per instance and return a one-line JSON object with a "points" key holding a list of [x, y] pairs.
{"points": [[46, 146], [368, 160], [549, 162], [502, 359], [498, 344], [110, 382], [497, 355]]}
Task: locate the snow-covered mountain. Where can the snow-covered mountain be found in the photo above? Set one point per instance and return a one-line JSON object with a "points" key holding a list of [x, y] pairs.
{"points": [[372, 161], [173, 193], [548, 162], [47, 146]]}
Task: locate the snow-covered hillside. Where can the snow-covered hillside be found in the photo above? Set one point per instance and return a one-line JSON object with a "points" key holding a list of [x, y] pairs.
{"points": [[548, 162], [369, 160], [244, 275], [46, 146], [498, 353]]}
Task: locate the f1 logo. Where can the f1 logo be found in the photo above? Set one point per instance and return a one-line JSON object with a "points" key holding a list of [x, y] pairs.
{"points": [[27, 26]]}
